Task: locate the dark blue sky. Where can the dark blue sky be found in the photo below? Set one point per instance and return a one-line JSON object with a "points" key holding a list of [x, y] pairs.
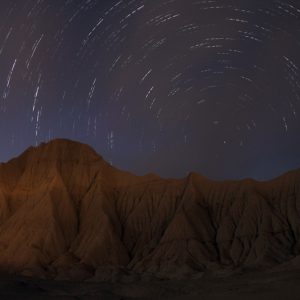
{"points": [[156, 86]]}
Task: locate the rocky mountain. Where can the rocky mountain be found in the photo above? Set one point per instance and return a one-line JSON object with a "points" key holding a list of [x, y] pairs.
{"points": [[67, 214]]}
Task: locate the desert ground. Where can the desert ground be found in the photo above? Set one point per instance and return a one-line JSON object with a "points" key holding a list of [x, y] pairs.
{"points": [[258, 285]]}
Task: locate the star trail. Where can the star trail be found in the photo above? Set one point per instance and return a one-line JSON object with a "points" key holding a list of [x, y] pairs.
{"points": [[211, 86]]}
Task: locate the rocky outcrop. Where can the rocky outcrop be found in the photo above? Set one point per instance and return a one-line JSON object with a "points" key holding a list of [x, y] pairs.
{"points": [[66, 213]]}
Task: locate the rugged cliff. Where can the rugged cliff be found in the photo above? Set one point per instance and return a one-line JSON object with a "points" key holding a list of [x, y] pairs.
{"points": [[66, 213]]}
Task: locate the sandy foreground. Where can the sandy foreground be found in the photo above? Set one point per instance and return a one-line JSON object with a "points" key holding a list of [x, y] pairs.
{"points": [[254, 285]]}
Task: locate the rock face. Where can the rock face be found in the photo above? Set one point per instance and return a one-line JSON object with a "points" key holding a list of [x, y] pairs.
{"points": [[67, 214]]}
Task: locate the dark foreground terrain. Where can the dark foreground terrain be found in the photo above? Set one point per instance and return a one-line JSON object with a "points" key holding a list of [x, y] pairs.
{"points": [[249, 285]]}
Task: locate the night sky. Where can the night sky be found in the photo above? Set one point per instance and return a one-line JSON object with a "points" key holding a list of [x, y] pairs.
{"points": [[155, 86]]}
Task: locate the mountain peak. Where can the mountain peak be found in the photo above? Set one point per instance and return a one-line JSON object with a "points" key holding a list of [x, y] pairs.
{"points": [[65, 147], [61, 150]]}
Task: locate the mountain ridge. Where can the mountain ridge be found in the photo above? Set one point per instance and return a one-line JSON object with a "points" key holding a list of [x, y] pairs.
{"points": [[60, 141], [65, 213]]}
